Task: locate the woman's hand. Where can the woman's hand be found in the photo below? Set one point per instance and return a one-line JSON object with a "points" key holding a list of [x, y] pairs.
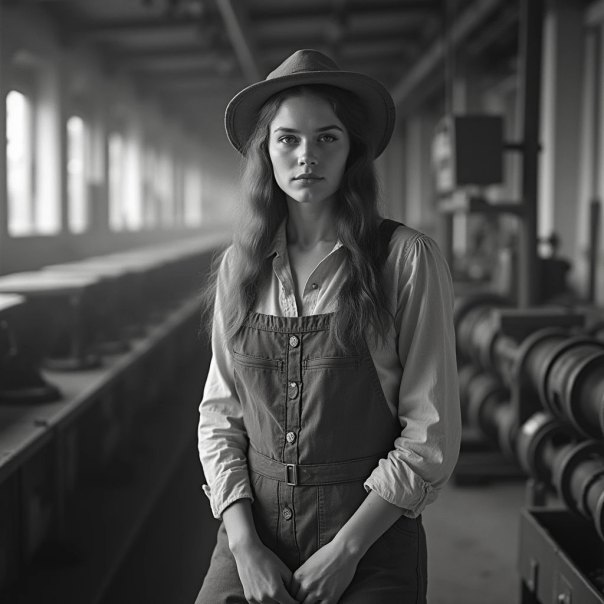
{"points": [[328, 572], [325, 575], [264, 576]]}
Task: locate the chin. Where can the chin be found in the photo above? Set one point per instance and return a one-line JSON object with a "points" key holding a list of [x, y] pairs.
{"points": [[308, 197]]}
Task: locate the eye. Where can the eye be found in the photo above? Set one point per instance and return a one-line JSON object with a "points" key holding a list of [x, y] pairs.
{"points": [[287, 139], [328, 138]]}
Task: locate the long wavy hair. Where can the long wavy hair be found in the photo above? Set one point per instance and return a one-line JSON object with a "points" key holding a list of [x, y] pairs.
{"points": [[362, 301]]}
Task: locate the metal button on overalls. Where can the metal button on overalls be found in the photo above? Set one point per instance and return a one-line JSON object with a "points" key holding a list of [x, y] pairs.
{"points": [[293, 390]]}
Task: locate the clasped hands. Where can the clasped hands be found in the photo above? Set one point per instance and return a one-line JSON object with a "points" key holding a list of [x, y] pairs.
{"points": [[322, 578]]}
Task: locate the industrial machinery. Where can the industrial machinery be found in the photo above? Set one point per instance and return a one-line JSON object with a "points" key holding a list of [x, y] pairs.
{"points": [[532, 381]]}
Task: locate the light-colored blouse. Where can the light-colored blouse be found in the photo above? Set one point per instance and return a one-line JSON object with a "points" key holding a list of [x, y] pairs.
{"points": [[416, 366]]}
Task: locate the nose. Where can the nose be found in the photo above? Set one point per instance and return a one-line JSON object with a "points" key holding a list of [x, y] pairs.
{"points": [[306, 156]]}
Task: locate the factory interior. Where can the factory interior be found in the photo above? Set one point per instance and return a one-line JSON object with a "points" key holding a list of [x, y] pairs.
{"points": [[119, 189]]}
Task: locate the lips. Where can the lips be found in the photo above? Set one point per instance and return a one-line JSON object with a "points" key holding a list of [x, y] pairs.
{"points": [[307, 177]]}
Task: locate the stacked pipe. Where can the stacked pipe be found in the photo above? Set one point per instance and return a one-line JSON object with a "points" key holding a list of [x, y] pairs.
{"points": [[484, 393], [539, 394], [551, 451]]}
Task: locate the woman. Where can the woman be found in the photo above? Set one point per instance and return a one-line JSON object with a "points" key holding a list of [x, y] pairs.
{"points": [[330, 415]]}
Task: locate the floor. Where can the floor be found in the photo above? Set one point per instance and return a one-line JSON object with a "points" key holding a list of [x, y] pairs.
{"points": [[472, 544]]}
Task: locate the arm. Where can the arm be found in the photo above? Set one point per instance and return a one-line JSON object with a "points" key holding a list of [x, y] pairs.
{"points": [[425, 453], [222, 438]]}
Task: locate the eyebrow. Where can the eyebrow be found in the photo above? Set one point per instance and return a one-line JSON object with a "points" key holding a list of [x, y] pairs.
{"points": [[322, 129]]}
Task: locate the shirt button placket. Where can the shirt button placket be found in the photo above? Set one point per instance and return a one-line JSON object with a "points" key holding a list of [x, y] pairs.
{"points": [[293, 392]]}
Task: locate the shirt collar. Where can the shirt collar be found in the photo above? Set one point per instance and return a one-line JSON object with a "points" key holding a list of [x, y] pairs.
{"points": [[279, 245]]}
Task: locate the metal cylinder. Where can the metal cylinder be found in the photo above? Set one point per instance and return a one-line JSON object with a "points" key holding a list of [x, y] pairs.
{"points": [[466, 373], [486, 391], [504, 356], [538, 355], [573, 384], [579, 480], [470, 310], [504, 417], [540, 440]]}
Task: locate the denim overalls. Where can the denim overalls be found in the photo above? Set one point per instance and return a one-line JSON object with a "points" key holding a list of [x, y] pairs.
{"points": [[318, 423]]}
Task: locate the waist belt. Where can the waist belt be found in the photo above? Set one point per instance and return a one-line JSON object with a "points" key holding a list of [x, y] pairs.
{"points": [[311, 474]]}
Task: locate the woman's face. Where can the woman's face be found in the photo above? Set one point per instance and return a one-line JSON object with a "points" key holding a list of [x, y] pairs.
{"points": [[308, 147]]}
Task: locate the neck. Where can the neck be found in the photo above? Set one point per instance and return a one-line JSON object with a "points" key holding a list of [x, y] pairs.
{"points": [[308, 225]]}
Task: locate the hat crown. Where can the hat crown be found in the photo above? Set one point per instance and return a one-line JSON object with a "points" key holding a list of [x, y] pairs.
{"points": [[304, 61]]}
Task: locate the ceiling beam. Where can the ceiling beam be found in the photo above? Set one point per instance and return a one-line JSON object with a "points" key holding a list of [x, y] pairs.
{"points": [[377, 25], [356, 42], [238, 29], [507, 21], [460, 29], [121, 26], [159, 62], [370, 49], [289, 11]]}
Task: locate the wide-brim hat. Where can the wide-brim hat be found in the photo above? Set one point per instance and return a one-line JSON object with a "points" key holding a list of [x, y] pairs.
{"points": [[306, 67]]}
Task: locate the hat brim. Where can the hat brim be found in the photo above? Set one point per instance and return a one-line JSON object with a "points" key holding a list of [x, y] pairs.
{"points": [[242, 111]]}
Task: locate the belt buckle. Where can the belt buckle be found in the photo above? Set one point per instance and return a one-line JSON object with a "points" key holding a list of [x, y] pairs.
{"points": [[291, 474]]}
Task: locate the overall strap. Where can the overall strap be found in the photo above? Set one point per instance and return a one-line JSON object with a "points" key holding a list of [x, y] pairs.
{"points": [[386, 230]]}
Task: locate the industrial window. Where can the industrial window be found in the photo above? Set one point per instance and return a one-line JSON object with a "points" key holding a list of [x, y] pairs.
{"points": [[32, 150], [192, 196], [124, 176], [20, 164], [117, 216], [77, 190], [151, 200], [166, 189]]}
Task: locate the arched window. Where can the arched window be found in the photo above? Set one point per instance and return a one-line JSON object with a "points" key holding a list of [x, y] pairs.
{"points": [[20, 163], [77, 174], [117, 214]]}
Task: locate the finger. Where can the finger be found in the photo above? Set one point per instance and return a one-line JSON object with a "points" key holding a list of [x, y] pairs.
{"points": [[285, 598], [295, 587]]}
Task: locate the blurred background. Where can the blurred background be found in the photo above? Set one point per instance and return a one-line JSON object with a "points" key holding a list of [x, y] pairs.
{"points": [[117, 189]]}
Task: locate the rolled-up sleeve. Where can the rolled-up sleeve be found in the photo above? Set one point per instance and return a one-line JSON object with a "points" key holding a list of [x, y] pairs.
{"points": [[426, 452], [222, 438]]}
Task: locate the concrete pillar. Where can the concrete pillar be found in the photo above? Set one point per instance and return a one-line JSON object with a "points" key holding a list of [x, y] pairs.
{"points": [[563, 55], [391, 177], [419, 184]]}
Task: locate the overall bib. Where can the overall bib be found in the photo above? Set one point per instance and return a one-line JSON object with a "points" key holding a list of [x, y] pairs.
{"points": [[318, 423]]}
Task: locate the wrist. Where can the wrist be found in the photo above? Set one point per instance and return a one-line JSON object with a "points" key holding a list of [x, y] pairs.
{"points": [[243, 544], [239, 524], [349, 545]]}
